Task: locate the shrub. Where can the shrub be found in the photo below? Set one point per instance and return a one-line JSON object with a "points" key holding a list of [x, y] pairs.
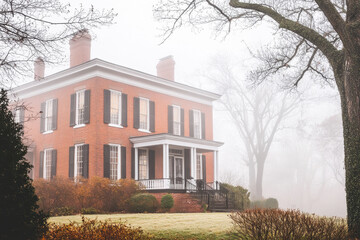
{"points": [[89, 210], [275, 224], [99, 193], [62, 211], [271, 203], [93, 229], [167, 202], [143, 202], [239, 195]]}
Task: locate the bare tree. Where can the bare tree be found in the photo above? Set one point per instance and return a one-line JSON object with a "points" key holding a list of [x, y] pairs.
{"points": [[38, 28], [257, 114], [310, 32]]}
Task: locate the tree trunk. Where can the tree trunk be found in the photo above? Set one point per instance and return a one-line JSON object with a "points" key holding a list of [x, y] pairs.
{"points": [[259, 179], [252, 187], [349, 89]]}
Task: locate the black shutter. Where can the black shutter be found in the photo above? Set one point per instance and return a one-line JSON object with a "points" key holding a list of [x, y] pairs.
{"points": [[41, 165], [204, 168], [54, 114], [87, 107], [124, 110], [187, 164], [53, 162], [152, 116], [191, 123], [85, 156], [107, 106], [71, 161], [170, 119], [151, 164], [106, 161], [42, 118], [171, 167], [133, 163], [123, 162], [22, 115], [72, 109], [136, 113], [182, 122], [203, 125]]}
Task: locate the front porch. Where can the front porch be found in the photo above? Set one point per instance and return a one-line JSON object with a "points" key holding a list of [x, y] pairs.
{"points": [[166, 162]]}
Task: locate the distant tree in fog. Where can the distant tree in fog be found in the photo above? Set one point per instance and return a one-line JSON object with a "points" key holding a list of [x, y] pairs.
{"points": [[39, 28], [257, 114]]}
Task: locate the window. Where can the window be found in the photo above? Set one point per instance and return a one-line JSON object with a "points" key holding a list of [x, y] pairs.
{"points": [[144, 114], [48, 115], [143, 164], [197, 124], [79, 160], [114, 162], [115, 107], [47, 164], [80, 107], [198, 166], [17, 115], [176, 120]]}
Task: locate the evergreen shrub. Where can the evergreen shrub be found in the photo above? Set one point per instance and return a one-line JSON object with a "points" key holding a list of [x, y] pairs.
{"points": [[143, 202], [167, 202]]}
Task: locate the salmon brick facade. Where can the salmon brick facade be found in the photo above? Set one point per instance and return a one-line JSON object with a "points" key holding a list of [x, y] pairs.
{"points": [[100, 119]]}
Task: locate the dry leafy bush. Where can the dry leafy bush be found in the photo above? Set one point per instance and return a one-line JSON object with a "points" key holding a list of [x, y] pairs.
{"points": [[99, 193], [94, 229], [275, 224]]}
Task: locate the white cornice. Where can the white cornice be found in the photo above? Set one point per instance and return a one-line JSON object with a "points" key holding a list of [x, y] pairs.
{"points": [[164, 138], [103, 69]]}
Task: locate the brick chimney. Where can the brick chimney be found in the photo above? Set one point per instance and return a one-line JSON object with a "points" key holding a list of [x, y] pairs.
{"points": [[165, 68], [39, 69], [80, 47]]}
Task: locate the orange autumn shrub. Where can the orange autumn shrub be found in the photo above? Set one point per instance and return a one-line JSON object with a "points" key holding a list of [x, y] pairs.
{"points": [[276, 224], [93, 229], [61, 196]]}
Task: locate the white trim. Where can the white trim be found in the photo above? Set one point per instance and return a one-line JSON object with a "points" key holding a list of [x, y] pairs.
{"points": [[75, 159], [79, 126], [201, 166], [117, 73], [118, 160], [46, 113], [46, 151], [143, 130], [48, 132], [200, 127], [147, 163], [114, 125], [166, 165], [77, 94], [179, 128]]}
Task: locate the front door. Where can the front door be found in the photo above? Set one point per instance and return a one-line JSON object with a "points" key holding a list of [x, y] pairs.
{"points": [[179, 172]]}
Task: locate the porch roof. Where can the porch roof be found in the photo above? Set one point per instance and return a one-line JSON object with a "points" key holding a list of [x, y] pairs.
{"points": [[166, 138]]}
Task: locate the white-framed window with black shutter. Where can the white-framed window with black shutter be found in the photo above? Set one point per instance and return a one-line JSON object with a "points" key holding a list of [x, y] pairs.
{"points": [[79, 161], [115, 108], [143, 155], [114, 161], [48, 159], [197, 123], [199, 166], [48, 121], [176, 120], [80, 108], [144, 114]]}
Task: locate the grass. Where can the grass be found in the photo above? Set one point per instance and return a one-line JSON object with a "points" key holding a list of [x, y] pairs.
{"points": [[169, 225]]}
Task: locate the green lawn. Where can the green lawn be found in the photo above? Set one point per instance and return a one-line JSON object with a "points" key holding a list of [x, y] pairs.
{"points": [[169, 225]]}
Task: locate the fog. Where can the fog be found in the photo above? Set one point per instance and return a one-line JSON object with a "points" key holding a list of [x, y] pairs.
{"points": [[302, 171]]}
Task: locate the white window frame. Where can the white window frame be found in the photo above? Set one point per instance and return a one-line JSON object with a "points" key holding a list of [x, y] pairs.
{"points": [[119, 123], [199, 132], [118, 160], [46, 130], [77, 95], [179, 125], [76, 159], [147, 165], [199, 175], [147, 129], [46, 152], [17, 115]]}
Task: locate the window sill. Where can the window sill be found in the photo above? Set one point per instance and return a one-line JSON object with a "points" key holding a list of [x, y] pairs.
{"points": [[115, 125], [79, 126], [48, 132], [144, 130]]}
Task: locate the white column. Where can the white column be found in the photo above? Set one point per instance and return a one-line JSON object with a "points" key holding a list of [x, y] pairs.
{"points": [[136, 164], [165, 160], [193, 162], [216, 166]]}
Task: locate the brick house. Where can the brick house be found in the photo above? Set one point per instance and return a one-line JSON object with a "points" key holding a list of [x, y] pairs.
{"points": [[100, 119]]}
